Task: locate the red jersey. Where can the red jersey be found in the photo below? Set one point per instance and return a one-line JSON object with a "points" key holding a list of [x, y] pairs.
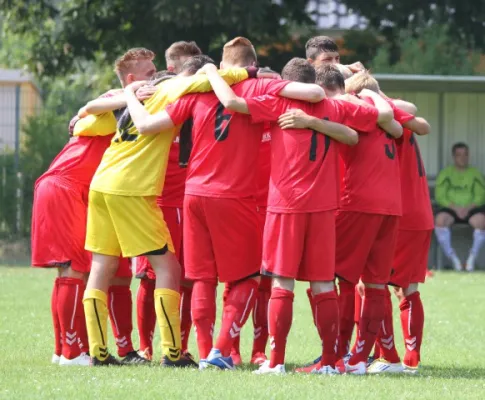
{"points": [[224, 157], [174, 187], [78, 160], [264, 169], [371, 178], [304, 163], [417, 213]]}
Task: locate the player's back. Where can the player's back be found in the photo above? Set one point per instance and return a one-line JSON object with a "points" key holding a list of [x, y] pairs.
{"points": [[78, 160], [224, 156], [416, 205], [371, 177]]}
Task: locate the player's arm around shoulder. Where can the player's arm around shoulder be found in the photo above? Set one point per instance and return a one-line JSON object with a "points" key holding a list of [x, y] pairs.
{"points": [[298, 119], [145, 123], [385, 117], [223, 91], [303, 91]]}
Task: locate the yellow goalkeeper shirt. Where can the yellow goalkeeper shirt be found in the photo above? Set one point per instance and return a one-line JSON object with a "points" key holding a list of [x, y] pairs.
{"points": [[135, 164]]}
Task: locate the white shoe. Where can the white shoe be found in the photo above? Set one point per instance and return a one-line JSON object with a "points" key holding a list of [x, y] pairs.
{"points": [[410, 370], [457, 263], [203, 364], [83, 360], [55, 359], [357, 369], [265, 369], [326, 370], [381, 366], [470, 263]]}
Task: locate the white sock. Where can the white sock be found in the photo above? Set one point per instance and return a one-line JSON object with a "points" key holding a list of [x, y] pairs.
{"points": [[444, 238], [478, 239]]}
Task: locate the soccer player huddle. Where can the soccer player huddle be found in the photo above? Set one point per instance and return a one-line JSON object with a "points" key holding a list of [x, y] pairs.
{"points": [[237, 175]]}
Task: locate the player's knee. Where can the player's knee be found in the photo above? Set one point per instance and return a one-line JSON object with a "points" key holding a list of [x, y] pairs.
{"points": [[477, 221], [443, 220], [412, 288], [121, 281], [283, 283], [374, 285], [71, 273], [322, 287], [399, 292]]}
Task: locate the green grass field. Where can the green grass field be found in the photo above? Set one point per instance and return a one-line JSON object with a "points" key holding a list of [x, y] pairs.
{"points": [[453, 354]]}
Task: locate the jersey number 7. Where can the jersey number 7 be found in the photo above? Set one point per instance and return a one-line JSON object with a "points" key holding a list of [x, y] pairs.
{"points": [[222, 123]]}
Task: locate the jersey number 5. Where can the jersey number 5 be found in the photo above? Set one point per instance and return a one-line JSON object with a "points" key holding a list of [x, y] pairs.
{"points": [[222, 123]]}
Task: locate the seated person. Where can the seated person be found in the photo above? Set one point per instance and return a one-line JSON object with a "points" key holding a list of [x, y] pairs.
{"points": [[460, 194]]}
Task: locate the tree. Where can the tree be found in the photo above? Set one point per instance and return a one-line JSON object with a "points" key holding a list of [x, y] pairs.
{"points": [[66, 31], [435, 52], [465, 19]]}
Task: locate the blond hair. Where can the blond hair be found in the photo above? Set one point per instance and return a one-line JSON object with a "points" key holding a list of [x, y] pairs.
{"points": [[124, 64], [345, 71], [361, 80], [239, 51]]}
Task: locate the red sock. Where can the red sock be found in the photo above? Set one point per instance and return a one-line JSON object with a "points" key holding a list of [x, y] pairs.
{"points": [[237, 308], [309, 294], [237, 341], [120, 306], [71, 316], [412, 322], [145, 314], [260, 316], [370, 322], [377, 350], [357, 311], [204, 314], [55, 319], [326, 315], [386, 333], [346, 316], [185, 315], [280, 312]]}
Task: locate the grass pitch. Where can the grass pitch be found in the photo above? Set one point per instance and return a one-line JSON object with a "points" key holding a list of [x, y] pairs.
{"points": [[453, 354]]}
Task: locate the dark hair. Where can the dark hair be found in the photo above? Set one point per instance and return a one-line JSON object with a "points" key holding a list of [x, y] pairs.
{"points": [[161, 76], [193, 64], [459, 145], [299, 70], [329, 77], [320, 44]]}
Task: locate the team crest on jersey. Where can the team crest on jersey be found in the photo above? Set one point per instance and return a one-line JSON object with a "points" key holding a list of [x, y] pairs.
{"points": [[266, 137]]}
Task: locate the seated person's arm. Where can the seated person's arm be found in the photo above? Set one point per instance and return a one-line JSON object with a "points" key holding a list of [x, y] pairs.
{"points": [[441, 190], [298, 119]]}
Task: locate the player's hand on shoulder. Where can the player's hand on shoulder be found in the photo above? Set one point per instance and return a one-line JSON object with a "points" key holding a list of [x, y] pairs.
{"points": [[207, 68], [294, 119], [134, 86], [145, 92], [356, 67]]}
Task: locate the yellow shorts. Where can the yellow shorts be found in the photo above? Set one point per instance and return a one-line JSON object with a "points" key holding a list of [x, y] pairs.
{"points": [[127, 225]]}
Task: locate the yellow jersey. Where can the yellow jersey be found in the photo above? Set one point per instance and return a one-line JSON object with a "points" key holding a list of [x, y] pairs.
{"points": [[96, 125], [134, 164]]}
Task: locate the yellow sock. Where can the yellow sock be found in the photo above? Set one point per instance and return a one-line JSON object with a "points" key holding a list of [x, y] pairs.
{"points": [[168, 317], [96, 313]]}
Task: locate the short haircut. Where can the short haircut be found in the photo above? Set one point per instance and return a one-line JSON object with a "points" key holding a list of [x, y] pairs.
{"points": [[320, 44], [161, 76], [181, 49], [361, 80], [457, 146], [193, 64], [329, 77], [125, 63], [299, 70], [239, 51]]}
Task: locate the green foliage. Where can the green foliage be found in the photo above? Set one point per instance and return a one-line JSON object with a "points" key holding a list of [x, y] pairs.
{"points": [[464, 18], [359, 45], [63, 32], [434, 51]]}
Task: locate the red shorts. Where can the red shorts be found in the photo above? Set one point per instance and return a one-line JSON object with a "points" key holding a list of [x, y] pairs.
{"points": [[174, 219], [365, 246], [59, 227], [410, 257], [300, 246], [222, 238]]}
